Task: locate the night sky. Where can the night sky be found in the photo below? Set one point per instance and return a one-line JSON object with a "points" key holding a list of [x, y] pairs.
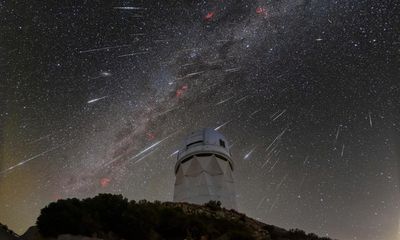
{"points": [[96, 96]]}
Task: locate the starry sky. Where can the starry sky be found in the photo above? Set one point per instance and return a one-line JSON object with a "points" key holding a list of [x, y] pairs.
{"points": [[96, 96]]}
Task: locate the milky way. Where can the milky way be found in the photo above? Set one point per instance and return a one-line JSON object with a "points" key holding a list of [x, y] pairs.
{"points": [[96, 97]]}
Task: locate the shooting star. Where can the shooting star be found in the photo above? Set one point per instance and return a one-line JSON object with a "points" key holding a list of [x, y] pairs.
{"points": [[306, 160], [223, 101], [277, 137], [174, 153], [102, 74], [163, 40], [96, 99], [133, 54], [147, 149], [251, 115], [168, 110], [269, 155], [152, 146], [130, 8], [303, 180], [222, 125], [232, 69], [144, 156], [104, 48], [249, 153], [30, 159], [272, 168], [261, 202], [342, 151], [188, 64], [241, 99], [337, 132], [190, 75], [105, 74], [266, 161], [272, 149], [41, 138], [274, 203], [280, 114], [370, 119]]}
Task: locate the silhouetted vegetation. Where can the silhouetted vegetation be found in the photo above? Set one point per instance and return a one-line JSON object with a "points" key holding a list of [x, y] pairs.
{"points": [[7, 230], [301, 235], [292, 234], [107, 213], [111, 216], [213, 205]]}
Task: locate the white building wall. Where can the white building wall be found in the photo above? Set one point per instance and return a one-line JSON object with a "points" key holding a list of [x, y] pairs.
{"points": [[204, 170]]}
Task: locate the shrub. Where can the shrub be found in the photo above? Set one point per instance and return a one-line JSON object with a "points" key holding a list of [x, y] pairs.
{"points": [[213, 205], [107, 213]]}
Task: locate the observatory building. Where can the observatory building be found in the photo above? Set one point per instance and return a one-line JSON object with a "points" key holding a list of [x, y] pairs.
{"points": [[204, 170]]}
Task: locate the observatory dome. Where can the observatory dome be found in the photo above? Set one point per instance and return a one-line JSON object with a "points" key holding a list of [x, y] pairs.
{"points": [[204, 170]]}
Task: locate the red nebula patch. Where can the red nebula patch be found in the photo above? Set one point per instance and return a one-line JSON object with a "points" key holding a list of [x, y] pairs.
{"points": [[150, 135], [104, 182], [209, 16], [180, 91], [261, 10]]}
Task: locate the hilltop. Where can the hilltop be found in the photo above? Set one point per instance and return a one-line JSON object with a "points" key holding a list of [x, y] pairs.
{"points": [[112, 217]]}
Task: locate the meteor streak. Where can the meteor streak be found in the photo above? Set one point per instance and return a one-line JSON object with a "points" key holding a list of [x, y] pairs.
{"points": [[104, 48], [269, 156], [342, 151], [232, 69], [30, 159], [370, 119], [150, 147], [191, 75], [306, 160], [270, 170], [174, 153], [280, 114], [220, 126], [251, 115], [168, 110], [144, 156], [274, 203], [261, 202], [133, 54], [266, 162], [249, 153], [144, 150], [130, 8], [41, 138], [96, 99], [337, 132], [277, 137], [223, 101], [241, 99]]}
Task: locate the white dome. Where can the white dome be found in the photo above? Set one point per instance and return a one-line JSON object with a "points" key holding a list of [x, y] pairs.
{"points": [[206, 140]]}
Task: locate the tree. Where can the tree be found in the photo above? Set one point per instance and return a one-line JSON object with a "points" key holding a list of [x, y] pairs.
{"points": [[213, 205], [107, 213]]}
